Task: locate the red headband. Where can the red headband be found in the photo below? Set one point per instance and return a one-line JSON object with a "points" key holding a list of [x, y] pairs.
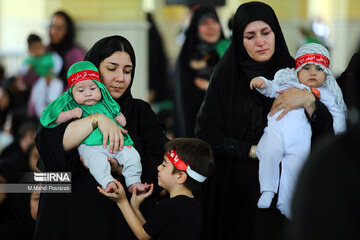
{"points": [[312, 57], [83, 75], [176, 161]]}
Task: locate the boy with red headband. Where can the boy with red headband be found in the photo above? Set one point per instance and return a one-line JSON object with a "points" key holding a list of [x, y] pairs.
{"points": [[88, 96], [287, 141], [187, 163]]}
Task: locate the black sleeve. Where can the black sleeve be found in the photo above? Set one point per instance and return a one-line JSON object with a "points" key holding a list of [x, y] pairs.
{"points": [[53, 157], [233, 148], [321, 120], [210, 128]]}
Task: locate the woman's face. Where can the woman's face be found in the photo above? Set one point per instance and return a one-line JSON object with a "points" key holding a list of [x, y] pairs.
{"points": [[34, 204], [259, 41], [33, 158], [58, 29], [115, 73], [209, 30]]}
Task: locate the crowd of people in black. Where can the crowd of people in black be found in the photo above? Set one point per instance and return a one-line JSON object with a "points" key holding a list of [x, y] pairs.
{"points": [[206, 96]]}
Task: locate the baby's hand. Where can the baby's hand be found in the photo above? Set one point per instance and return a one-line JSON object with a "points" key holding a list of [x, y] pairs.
{"points": [[198, 64], [121, 119], [257, 82], [76, 112]]}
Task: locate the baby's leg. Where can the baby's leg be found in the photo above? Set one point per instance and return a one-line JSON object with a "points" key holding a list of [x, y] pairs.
{"points": [[140, 187], [95, 158], [130, 159], [265, 199], [270, 152]]}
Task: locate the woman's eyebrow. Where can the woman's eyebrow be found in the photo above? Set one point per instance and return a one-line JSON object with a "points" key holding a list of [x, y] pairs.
{"points": [[253, 32], [112, 63], [116, 64]]}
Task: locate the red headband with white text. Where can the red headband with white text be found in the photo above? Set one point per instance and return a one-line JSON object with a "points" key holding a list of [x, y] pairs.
{"points": [[312, 58], [83, 75], [181, 165]]}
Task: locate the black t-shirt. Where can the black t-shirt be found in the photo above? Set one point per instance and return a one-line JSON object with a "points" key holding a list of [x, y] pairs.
{"points": [[175, 218]]}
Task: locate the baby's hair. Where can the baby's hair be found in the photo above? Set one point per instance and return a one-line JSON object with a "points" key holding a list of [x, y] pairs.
{"points": [[197, 153], [32, 38]]}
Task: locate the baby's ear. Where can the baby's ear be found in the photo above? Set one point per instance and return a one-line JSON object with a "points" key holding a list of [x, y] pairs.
{"points": [[182, 177]]}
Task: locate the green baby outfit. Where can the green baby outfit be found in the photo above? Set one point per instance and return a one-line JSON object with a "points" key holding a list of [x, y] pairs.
{"points": [[65, 102]]}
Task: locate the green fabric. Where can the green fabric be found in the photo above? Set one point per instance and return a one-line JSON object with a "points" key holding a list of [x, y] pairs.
{"points": [[81, 66], [43, 65], [65, 102], [221, 46]]}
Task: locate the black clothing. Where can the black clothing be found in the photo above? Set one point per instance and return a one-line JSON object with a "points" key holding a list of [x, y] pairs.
{"points": [[85, 213], [175, 218], [231, 119], [158, 67], [326, 200], [188, 97], [21, 225], [15, 216], [345, 79]]}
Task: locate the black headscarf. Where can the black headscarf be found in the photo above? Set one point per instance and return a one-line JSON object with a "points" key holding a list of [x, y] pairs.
{"points": [[238, 111], [104, 48], [188, 96]]}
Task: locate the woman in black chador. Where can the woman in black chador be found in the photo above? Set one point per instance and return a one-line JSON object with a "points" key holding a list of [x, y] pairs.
{"points": [[196, 62], [232, 119], [84, 213]]}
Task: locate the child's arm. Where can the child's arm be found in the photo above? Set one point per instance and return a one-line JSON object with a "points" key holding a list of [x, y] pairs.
{"points": [[265, 87], [121, 119], [131, 217], [137, 199], [69, 115], [257, 82]]}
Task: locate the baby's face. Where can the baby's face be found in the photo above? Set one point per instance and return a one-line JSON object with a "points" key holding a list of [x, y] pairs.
{"points": [[312, 75], [86, 93], [37, 49]]}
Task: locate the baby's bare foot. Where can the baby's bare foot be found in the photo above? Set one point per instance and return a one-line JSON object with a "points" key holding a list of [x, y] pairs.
{"points": [[110, 187], [139, 186]]}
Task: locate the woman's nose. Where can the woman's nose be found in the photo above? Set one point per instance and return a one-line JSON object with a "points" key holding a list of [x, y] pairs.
{"points": [[259, 41], [120, 76]]}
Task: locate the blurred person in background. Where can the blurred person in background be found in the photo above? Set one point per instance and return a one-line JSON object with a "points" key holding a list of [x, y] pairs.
{"points": [[18, 211], [47, 66], [160, 89], [195, 64], [62, 42]]}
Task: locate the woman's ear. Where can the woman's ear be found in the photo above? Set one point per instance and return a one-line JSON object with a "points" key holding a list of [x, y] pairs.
{"points": [[181, 178]]}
